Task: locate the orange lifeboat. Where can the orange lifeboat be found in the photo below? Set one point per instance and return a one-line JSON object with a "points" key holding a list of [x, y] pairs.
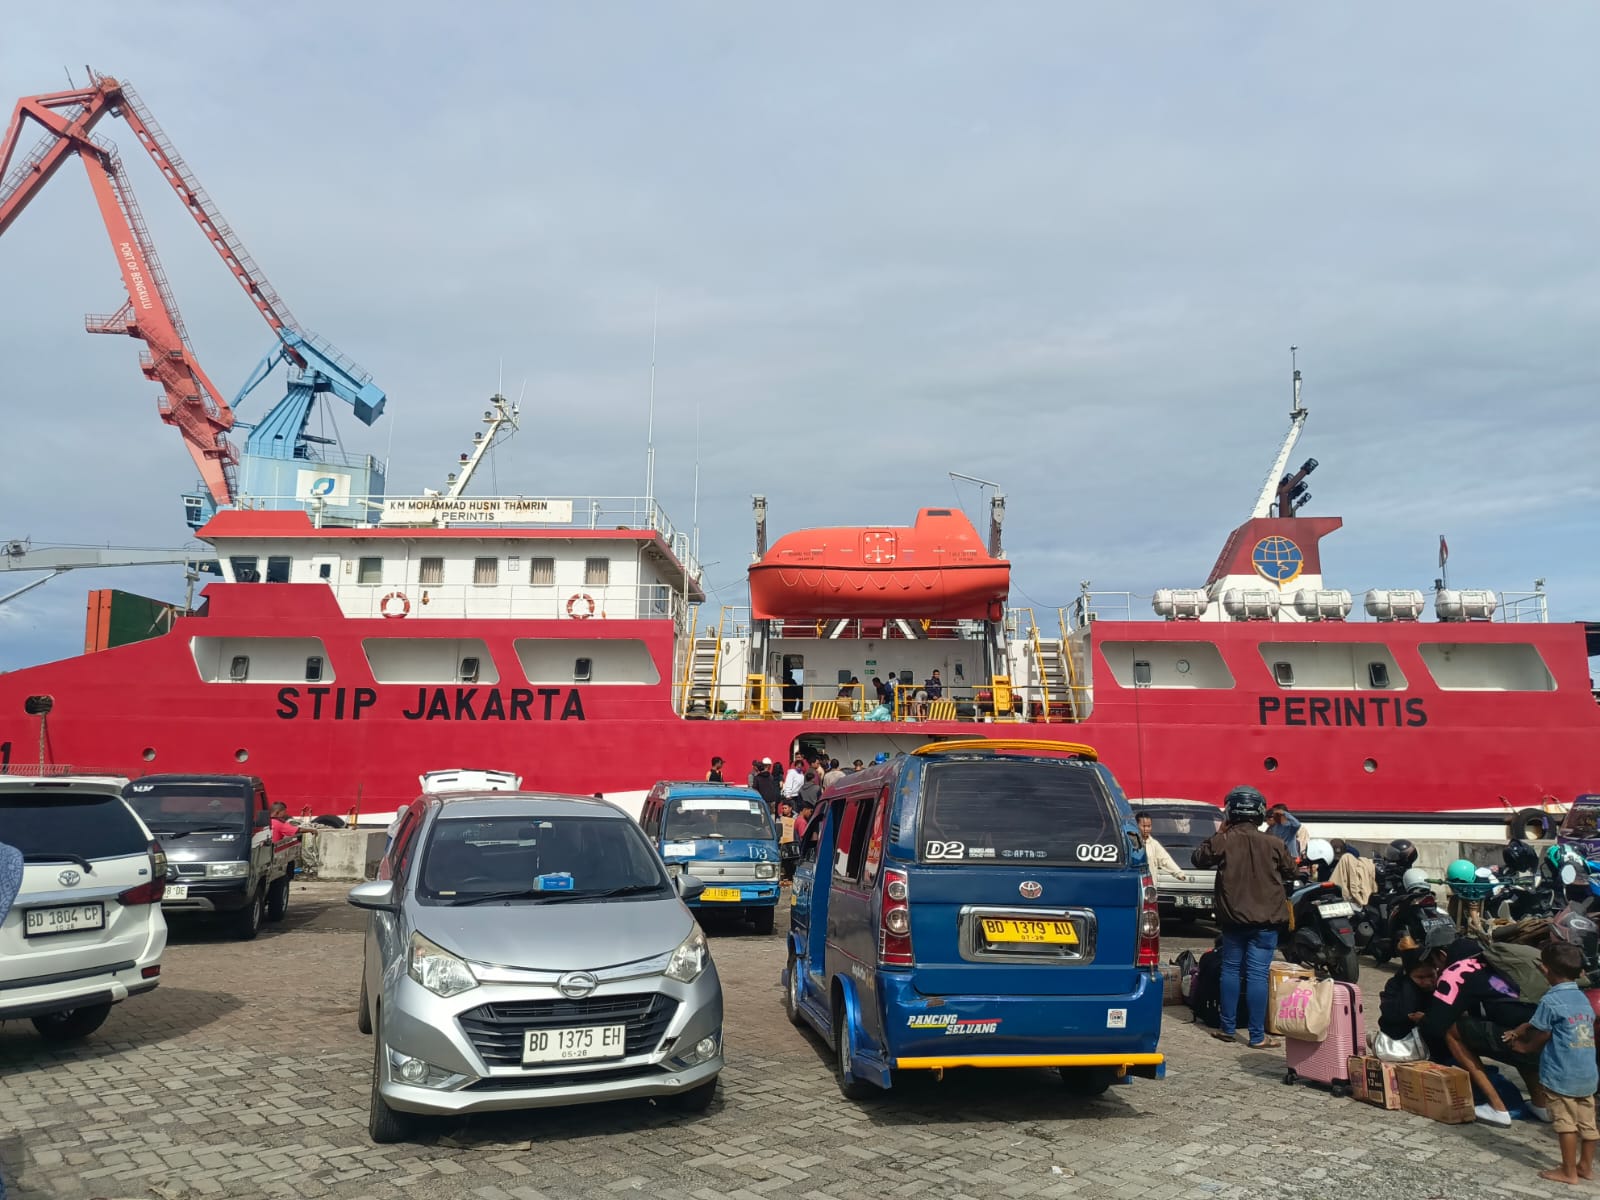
{"points": [[938, 569]]}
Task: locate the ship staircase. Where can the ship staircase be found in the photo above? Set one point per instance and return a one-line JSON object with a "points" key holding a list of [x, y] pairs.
{"points": [[1059, 694], [702, 669]]}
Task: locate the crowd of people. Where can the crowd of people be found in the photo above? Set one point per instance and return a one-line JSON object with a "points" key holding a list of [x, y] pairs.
{"points": [[1511, 995]]}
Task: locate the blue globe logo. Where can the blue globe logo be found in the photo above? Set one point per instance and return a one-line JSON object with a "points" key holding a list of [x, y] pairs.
{"points": [[1277, 558]]}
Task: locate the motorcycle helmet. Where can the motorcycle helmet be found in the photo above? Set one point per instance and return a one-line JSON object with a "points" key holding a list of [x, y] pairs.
{"points": [[1577, 929], [1519, 857], [1414, 878], [1400, 853], [1318, 850], [1460, 871], [1245, 805]]}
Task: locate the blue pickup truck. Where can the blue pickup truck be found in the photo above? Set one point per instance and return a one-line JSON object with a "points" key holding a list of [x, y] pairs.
{"points": [[979, 903]]}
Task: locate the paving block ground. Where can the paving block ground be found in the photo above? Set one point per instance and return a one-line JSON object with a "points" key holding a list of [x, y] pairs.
{"points": [[243, 1076]]}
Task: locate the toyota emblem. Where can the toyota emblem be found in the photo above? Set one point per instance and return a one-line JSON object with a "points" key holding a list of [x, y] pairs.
{"points": [[69, 878], [1030, 889], [575, 985]]}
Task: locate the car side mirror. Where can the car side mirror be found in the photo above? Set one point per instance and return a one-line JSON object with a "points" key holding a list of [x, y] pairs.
{"points": [[376, 896], [690, 886]]}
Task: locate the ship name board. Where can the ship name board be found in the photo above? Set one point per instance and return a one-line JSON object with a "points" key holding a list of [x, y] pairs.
{"points": [[1367, 712], [324, 703], [483, 510]]}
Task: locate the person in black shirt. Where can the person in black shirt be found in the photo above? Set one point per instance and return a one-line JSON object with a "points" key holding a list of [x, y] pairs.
{"points": [[1405, 998], [715, 774]]}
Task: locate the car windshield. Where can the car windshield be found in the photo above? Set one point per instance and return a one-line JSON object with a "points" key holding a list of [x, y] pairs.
{"points": [[694, 817], [1183, 828], [1010, 810], [181, 807], [43, 823], [557, 856], [1582, 823]]}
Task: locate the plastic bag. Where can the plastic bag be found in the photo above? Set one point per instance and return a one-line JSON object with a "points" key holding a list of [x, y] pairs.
{"points": [[1410, 1048], [1305, 1011]]}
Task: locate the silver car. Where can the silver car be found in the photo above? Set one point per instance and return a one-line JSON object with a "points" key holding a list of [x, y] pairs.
{"points": [[527, 950]]}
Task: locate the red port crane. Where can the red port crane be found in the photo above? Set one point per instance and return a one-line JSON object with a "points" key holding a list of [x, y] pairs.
{"points": [[189, 400]]}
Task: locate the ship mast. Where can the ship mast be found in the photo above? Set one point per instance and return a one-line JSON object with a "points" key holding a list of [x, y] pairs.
{"points": [[1273, 492]]}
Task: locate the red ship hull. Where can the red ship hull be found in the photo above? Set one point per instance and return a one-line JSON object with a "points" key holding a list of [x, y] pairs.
{"points": [[353, 743]]}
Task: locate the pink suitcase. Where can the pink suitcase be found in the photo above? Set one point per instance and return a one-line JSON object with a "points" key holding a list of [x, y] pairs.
{"points": [[1326, 1062]]}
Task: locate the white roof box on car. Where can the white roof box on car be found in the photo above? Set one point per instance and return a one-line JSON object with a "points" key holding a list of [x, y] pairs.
{"points": [[460, 779]]}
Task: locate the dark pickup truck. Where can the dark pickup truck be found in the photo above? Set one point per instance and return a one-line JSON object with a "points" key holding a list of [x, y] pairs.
{"points": [[221, 855]]}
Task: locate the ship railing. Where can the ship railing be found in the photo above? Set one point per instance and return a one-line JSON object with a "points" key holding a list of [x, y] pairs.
{"points": [[873, 628], [761, 698], [616, 602], [1512, 607]]}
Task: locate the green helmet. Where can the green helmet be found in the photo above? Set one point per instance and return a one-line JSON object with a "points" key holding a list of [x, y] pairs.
{"points": [[1461, 871]]}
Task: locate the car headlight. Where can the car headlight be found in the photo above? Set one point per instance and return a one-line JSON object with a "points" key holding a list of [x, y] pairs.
{"points": [[766, 870], [227, 870], [436, 969], [689, 959]]}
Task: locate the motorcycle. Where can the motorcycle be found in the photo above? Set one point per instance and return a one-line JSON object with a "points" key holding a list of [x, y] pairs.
{"points": [[1322, 933], [1411, 913]]}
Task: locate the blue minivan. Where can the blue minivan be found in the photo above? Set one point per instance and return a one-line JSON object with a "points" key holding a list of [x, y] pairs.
{"points": [[978, 903], [724, 836]]}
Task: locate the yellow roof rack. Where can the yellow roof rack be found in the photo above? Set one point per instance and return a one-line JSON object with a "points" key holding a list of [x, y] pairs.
{"points": [[1077, 749]]}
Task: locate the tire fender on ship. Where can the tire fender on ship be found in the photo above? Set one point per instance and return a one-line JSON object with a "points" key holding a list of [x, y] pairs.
{"points": [[575, 600], [388, 605]]}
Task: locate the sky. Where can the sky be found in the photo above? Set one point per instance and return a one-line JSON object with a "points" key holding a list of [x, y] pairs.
{"points": [[1061, 246]]}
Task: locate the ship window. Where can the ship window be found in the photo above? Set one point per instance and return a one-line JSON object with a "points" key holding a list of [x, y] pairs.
{"points": [[596, 572], [261, 660], [1156, 664], [1284, 673], [313, 668], [1487, 667], [1378, 674], [431, 572], [369, 570], [428, 659], [938, 512], [278, 569], [844, 675], [1142, 673], [469, 670], [542, 572], [582, 670], [239, 668], [554, 661], [485, 570], [324, 570], [244, 569]]}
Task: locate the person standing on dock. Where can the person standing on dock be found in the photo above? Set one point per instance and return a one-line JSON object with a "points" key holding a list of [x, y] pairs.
{"points": [[1286, 827], [714, 775]]}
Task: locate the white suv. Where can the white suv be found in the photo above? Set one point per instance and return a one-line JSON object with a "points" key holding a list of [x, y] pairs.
{"points": [[86, 928]]}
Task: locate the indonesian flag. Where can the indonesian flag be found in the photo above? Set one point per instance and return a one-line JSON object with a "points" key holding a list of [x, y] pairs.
{"points": [[1444, 552]]}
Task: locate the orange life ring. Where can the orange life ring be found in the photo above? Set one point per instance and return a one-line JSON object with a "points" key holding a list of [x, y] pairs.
{"points": [[405, 605], [572, 604]]}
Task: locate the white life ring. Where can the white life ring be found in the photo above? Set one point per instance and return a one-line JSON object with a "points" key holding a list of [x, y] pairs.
{"points": [[392, 614], [572, 605]]}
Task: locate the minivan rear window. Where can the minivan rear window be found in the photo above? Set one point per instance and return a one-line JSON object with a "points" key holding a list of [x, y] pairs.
{"points": [[188, 807], [43, 822], [1016, 811]]}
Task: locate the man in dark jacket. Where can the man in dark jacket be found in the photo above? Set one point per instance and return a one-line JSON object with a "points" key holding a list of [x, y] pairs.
{"points": [[1250, 904]]}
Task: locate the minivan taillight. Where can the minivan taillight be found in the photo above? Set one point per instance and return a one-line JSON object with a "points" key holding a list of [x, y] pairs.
{"points": [[1149, 926], [152, 892], [894, 921]]}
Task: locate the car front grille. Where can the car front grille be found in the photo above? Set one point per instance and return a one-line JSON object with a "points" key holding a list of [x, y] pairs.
{"points": [[497, 1030], [511, 1083]]}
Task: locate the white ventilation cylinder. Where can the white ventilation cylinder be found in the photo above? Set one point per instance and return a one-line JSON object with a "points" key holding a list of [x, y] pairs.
{"points": [[1181, 604], [1322, 604], [1251, 604], [1391, 604], [1467, 604]]}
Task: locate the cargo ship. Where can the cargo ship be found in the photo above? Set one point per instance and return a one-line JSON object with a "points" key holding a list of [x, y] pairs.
{"points": [[568, 639]]}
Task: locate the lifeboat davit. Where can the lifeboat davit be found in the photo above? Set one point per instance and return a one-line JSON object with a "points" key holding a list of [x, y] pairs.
{"points": [[937, 569]]}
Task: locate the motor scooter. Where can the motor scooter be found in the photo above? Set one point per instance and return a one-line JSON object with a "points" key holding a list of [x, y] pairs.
{"points": [[1322, 934]]}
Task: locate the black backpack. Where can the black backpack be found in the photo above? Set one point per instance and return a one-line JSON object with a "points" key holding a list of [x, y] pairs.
{"points": [[1205, 997]]}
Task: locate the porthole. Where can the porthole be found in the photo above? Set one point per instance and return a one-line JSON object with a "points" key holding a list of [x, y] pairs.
{"points": [[1269, 763], [149, 754], [241, 755], [1370, 765]]}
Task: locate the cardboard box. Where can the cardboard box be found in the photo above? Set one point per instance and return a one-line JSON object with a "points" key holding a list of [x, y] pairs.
{"points": [[1281, 976], [1373, 1080], [1171, 986], [1438, 1093]]}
